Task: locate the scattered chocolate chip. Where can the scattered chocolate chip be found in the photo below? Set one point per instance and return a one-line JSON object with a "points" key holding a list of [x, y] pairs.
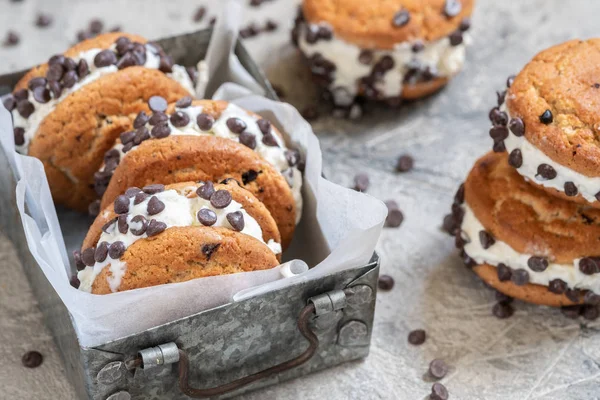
{"points": [[591, 298], [271, 26], [139, 198], [502, 298], [557, 286], [32, 359], [12, 39], [207, 217], [417, 337], [220, 199], [515, 158], [452, 8], [486, 239], [589, 266], [206, 190], [121, 205], [590, 312], [520, 277], [570, 189], [155, 227], [199, 14], [155, 206], [248, 140], [438, 392], [450, 225], [365, 57], [122, 224], [361, 182], [546, 117], [395, 217], [405, 163], [504, 272], [537, 264], [79, 264], [574, 295], [101, 252], [236, 220], [545, 172], [96, 26], [571, 312], [236, 125], [385, 282], [465, 25], [43, 20], [502, 310], [88, 256], [456, 38], [116, 250], [209, 249], [438, 368], [105, 58], [401, 18], [25, 108], [143, 225], [179, 119], [157, 104]]}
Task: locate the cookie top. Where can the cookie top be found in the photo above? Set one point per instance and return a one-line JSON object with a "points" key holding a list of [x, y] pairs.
{"points": [[382, 23], [528, 219], [145, 213], [557, 96], [201, 158]]}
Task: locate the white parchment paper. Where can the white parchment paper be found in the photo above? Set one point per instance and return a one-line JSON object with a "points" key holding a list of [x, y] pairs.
{"points": [[338, 230]]}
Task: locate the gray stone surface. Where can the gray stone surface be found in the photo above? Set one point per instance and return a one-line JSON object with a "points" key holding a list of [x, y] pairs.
{"points": [[536, 354]]}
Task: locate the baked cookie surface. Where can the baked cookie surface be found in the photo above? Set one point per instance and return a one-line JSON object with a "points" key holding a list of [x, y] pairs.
{"points": [[527, 236]]}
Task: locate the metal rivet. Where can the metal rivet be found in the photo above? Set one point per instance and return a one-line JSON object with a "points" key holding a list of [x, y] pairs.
{"points": [[353, 333], [111, 373], [119, 396], [359, 295]]}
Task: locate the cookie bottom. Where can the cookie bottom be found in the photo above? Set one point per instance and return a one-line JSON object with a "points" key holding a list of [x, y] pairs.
{"points": [[422, 89], [531, 293]]}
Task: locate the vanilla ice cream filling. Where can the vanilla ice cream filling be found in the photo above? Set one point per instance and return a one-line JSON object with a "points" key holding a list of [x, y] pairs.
{"points": [[500, 252], [587, 186], [443, 59], [41, 110], [180, 210], [274, 155]]}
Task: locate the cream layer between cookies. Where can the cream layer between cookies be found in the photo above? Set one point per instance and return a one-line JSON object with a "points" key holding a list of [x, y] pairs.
{"points": [[275, 155], [42, 110], [587, 186], [440, 56], [501, 252], [179, 211]]}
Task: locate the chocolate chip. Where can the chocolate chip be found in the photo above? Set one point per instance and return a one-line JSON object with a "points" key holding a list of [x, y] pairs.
{"points": [[498, 132], [236, 220], [155, 227], [248, 140], [271, 26], [452, 8], [139, 198], [537, 264], [468, 261], [264, 126], [105, 58], [128, 60], [394, 218], [504, 272], [574, 295], [205, 121], [25, 108], [32, 359], [123, 45], [199, 14], [155, 206], [557, 286], [465, 25], [19, 134], [35, 82], [500, 97], [154, 188], [509, 82], [9, 103], [74, 281], [590, 312], [82, 68], [418, 46], [486, 239], [570, 189], [166, 64], [43, 20], [597, 196], [385, 282], [132, 191], [405, 163], [220, 199], [209, 249], [107, 227], [101, 252], [456, 38], [502, 310], [20, 94], [589, 266], [184, 102], [88, 256], [516, 126], [122, 224], [121, 205], [157, 104], [546, 117], [236, 125], [438, 368], [94, 208], [269, 140], [55, 72], [143, 225], [591, 298], [545, 172], [361, 182], [79, 264], [141, 119], [116, 250], [499, 147], [12, 38], [498, 117], [520, 277], [206, 190], [515, 158], [207, 217], [69, 79], [401, 18], [438, 392], [292, 157], [502, 298], [417, 337], [249, 176], [312, 34], [365, 57], [450, 224], [160, 131], [571, 312], [55, 88], [41, 94], [96, 26], [179, 119]]}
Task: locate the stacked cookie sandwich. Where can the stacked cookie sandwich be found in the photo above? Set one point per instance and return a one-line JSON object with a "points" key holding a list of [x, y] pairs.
{"points": [[527, 219], [382, 50]]}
